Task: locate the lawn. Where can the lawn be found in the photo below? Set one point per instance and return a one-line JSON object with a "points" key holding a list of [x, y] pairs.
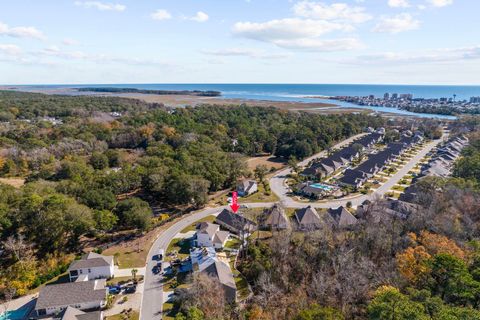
{"points": [[133, 315], [133, 253], [180, 246], [398, 188], [243, 289], [261, 234], [194, 225], [169, 312], [260, 196], [122, 280], [233, 243], [174, 281]]}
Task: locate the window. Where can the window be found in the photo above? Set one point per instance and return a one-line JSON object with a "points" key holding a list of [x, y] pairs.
{"points": [[89, 271], [81, 271]]}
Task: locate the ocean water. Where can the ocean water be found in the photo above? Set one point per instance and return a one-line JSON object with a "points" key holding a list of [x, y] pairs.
{"points": [[302, 92]]}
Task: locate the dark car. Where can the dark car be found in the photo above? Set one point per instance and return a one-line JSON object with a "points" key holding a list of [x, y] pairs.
{"points": [[114, 290], [131, 288], [156, 270]]}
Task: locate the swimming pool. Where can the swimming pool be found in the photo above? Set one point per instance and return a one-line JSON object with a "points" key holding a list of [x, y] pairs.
{"points": [[322, 186], [18, 314]]}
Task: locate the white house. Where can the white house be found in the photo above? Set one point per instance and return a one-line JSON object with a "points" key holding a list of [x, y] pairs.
{"points": [[210, 235], [82, 295], [94, 265], [247, 187]]}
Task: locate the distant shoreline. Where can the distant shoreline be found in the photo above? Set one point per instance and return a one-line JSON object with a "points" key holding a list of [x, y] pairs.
{"points": [[182, 100]]}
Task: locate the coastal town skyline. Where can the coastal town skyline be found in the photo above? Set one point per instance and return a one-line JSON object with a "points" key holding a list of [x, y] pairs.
{"points": [[124, 41]]}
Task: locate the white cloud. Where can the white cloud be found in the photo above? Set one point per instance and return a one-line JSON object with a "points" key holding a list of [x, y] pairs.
{"points": [[295, 33], [246, 52], [69, 42], [335, 11], [10, 49], [291, 28], [325, 45], [396, 24], [102, 6], [21, 32], [440, 3], [161, 14], [56, 52], [398, 3], [200, 17], [446, 55]]}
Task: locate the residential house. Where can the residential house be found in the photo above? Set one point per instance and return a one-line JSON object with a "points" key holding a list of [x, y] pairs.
{"points": [[206, 261], [210, 235], [82, 295], [247, 187], [71, 313], [308, 219], [341, 217], [95, 265], [276, 219], [235, 222]]}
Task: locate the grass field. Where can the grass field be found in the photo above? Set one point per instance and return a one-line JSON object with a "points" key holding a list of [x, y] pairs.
{"points": [[268, 161], [260, 196]]}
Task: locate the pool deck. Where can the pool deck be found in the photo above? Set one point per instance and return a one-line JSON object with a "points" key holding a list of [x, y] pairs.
{"points": [[26, 302]]}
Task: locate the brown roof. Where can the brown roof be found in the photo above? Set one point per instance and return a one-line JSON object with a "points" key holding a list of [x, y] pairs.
{"points": [[91, 260], [71, 293], [308, 217], [342, 217], [276, 217]]}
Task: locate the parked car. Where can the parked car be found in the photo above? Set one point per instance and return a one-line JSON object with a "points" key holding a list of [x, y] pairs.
{"points": [[130, 289], [114, 290], [156, 270], [161, 254]]}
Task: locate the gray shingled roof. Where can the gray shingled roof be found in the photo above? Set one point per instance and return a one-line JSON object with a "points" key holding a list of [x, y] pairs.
{"points": [[276, 217], [71, 293], [234, 220], [308, 217], [91, 260], [71, 313], [342, 217], [223, 273]]}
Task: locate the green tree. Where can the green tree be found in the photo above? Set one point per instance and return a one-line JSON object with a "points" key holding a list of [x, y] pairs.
{"points": [[105, 220], [260, 172], [316, 312], [390, 304], [134, 213], [451, 280], [99, 161]]}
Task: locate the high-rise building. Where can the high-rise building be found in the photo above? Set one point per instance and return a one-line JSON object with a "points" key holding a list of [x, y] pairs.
{"points": [[395, 96], [386, 96], [406, 96], [475, 100]]}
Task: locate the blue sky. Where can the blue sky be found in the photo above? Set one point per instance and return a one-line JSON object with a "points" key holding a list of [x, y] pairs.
{"points": [[240, 41]]}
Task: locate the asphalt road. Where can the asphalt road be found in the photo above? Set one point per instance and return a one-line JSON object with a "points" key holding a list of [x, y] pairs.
{"points": [[151, 308]]}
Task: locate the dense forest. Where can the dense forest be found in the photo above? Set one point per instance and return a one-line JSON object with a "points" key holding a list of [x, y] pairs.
{"points": [[159, 92], [94, 165], [426, 266]]}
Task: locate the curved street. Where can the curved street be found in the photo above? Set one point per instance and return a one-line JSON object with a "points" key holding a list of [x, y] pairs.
{"points": [[151, 308]]}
